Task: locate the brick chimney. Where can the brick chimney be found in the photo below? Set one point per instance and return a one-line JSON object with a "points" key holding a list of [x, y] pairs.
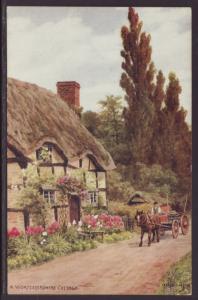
{"points": [[69, 91]]}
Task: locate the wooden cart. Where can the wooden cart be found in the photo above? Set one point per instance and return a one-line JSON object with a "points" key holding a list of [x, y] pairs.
{"points": [[173, 221]]}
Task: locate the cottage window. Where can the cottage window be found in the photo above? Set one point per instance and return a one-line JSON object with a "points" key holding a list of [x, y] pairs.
{"points": [[49, 196], [93, 197], [44, 153]]}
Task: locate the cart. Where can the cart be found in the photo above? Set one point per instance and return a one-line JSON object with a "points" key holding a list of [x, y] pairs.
{"points": [[172, 221]]}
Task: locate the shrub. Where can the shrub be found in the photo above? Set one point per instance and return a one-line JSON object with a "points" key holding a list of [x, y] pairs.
{"points": [[93, 244], [77, 246], [30, 198], [16, 244], [29, 259], [155, 178], [118, 189], [71, 235], [57, 245]]}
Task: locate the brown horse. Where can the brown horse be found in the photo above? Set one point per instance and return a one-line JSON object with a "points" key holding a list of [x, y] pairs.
{"points": [[149, 224]]}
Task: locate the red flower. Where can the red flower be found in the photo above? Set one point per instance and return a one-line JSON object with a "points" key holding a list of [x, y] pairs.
{"points": [[33, 230], [14, 232], [54, 227]]}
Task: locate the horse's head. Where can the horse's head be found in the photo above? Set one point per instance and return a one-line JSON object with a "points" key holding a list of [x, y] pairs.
{"points": [[138, 216]]}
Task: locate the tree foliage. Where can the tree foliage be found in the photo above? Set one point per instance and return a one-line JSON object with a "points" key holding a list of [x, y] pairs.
{"points": [[137, 81], [91, 121], [108, 126], [111, 125], [118, 189], [155, 123], [150, 127], [30, 197]]}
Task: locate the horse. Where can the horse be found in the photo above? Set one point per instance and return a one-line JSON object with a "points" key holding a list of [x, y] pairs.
{"points": [[148, 223]]}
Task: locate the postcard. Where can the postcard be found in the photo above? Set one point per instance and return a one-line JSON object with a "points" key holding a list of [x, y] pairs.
{"points": [[99, 142]]}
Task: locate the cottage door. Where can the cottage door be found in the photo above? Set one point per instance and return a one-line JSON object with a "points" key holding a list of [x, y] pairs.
{"points": [[74, 209]]}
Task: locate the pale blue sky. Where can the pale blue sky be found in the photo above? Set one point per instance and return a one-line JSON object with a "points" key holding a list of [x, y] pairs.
{"points": [[48, 44]]}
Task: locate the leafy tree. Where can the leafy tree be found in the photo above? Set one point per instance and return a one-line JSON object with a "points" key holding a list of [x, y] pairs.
{"points": [[176, 135], [111, 125], [158, 98], [108, 127], [118, 189], [175, 144], [91, 121], [156, 179], [158, 95], [137, 81]]}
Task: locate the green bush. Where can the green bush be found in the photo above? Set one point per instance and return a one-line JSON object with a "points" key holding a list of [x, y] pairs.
{"points": [[155, 178], [83, 245], [57, 245], [71, 235], [93, 244], [29, 259], [17, 245], [29, 197], [77, 246], [118, 189]]}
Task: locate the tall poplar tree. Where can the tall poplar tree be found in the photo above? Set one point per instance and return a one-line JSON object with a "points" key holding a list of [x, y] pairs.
{"points": [[158, 98], [137, 81], [176, 133]]}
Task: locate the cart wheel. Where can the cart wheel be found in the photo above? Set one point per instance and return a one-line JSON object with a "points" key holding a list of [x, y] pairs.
{"points": [[175, 229], [162, 231], [184, 224]]}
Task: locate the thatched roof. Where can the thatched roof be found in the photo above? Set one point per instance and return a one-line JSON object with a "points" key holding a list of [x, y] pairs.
{"points": [[37, 115], [137, 198]]}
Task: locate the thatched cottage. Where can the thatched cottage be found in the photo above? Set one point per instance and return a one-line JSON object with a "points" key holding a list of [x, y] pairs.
{"points": [[37, 117]]}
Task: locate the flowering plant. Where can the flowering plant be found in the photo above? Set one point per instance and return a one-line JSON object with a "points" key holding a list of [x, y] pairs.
{"points": [[104, 221], [70, 184], [34, 230], [53, 228], [14, 232]]}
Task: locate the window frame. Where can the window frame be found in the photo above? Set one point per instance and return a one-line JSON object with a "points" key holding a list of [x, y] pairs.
{"points": [[49, 199], [93, 197]]}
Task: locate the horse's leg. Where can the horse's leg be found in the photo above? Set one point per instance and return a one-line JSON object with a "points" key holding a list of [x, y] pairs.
{"points": [[149, 236], [158, 236], [153, 232], [142, 234]]}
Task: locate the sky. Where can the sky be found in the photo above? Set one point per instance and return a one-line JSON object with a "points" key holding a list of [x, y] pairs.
{"points": [[83, 44]]}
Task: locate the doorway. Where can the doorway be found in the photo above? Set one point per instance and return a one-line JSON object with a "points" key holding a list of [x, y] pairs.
{"points": [[74, 208]]}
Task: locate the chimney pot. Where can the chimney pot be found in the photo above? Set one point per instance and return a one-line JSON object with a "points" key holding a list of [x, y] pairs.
{"points": [[69, 91]]}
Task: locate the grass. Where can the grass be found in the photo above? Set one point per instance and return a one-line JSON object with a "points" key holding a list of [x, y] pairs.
{"points": [[178, 280], [115, 237]]}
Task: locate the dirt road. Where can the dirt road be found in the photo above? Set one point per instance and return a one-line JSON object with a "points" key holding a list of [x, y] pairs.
{"points": [[121, 268]]}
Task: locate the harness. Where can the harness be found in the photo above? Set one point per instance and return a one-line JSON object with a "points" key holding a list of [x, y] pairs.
{"points": [[147, 220]]}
